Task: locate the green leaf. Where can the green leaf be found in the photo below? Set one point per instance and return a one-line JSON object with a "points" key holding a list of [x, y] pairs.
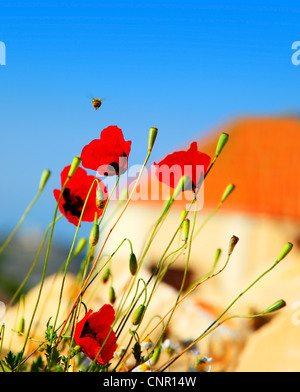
{"points": [[13, 360]]}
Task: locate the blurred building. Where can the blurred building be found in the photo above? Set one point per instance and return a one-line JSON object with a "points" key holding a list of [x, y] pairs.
{"points": [[262, 159]]}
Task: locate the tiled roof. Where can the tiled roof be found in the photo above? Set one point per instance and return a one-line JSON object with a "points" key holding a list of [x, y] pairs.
{"points": [[262, 159]]}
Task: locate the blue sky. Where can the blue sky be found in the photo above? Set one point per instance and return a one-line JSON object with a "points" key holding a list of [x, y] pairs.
{"points": [[184, 67]]}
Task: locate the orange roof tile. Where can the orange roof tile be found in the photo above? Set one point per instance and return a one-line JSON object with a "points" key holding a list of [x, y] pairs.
{"points": [[262, 158]]}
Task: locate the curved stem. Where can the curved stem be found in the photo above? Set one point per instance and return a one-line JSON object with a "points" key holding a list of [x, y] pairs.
{"points": [[210, 327]]}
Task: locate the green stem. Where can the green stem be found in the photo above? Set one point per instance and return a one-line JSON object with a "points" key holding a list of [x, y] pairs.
{"points": [[33, 264], [70, 253], [209, 328], [185, 271], [6, 243], [104, 243], [44, 269]]}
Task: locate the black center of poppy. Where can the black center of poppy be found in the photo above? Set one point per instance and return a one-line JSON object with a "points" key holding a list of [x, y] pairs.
{"points": [[114, 167], [73, 203], [87, 331]]}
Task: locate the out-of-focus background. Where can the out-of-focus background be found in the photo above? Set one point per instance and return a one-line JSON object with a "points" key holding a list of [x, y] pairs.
{"points": [[193, 70]]}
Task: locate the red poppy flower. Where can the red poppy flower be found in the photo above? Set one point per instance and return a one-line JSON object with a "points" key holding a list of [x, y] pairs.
{"points": [[191, 163], [91, 332], [75, 193], [109, 154]]}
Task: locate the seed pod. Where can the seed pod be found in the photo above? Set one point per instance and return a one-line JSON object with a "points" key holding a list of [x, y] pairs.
{"points": [[138, 314], [133, 264]]}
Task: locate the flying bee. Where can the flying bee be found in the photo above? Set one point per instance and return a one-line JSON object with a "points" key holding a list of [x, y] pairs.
{"points": [[97, 102]]}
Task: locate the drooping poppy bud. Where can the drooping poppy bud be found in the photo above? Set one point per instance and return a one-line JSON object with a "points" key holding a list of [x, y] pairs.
{"points": [[111, 295], [156, 355], [138, 314], [133, 264], [106, 275]]}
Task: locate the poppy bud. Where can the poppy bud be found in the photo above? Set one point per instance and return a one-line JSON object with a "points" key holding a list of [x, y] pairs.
{"points": [[275, 306], [75, 350], [106, 275], [21, 326], [132, 264], [100, 199], [285, 251], [156, 355], [94, 235], [80, 246], [44, 178], [76, 162], [233, 241], [230, 188], [221, 143], [181, 186], [152, 136], [186, 228], [183, 214], [138, 314], [112, 295]]}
